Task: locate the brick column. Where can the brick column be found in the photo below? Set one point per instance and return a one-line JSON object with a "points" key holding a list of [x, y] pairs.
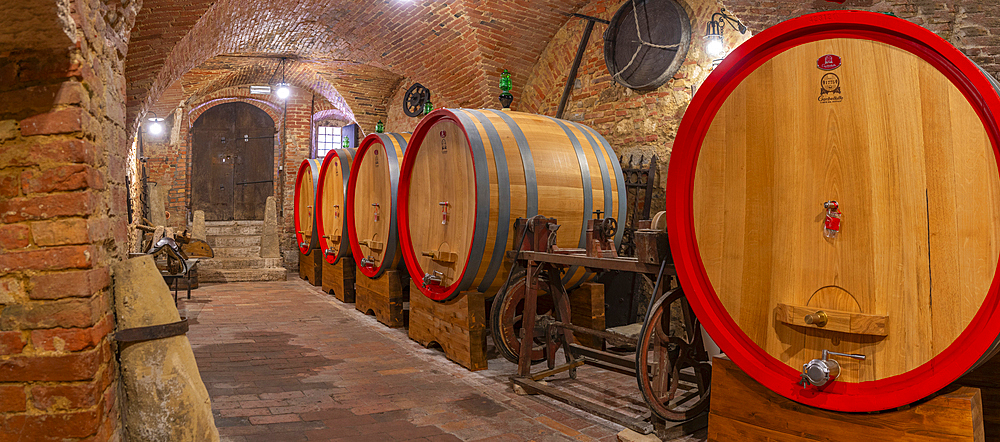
{"points": [[63, 159]]}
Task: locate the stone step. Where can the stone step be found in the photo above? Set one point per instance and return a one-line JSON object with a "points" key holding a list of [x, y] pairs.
{"points": [[235, 223], [237, 252], [239, 263], [223, 275], [255, 230], [234, 241]]}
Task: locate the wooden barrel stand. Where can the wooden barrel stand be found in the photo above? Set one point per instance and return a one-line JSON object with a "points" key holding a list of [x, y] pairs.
{"points": [[339, 278], [743, 409], [384, 297], [458, 326], [586, 309], [310, 268]]}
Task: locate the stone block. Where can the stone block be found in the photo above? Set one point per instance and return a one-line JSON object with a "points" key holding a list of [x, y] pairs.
{"points": [[269, 239], [166, 399], [198, 226]]}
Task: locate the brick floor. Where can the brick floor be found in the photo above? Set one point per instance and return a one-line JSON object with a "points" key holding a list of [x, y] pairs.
{"points": [[284, 362]]}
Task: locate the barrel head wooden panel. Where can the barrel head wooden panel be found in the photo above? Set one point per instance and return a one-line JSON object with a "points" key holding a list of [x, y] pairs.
{"points": [[443, 179], [304, 204], [907, 158], [374, 211], [332, 215]]}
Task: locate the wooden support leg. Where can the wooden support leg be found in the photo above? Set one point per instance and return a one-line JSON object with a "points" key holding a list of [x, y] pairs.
{"points": [[528, 320], [384, 297], [310, 267], [458, 326], [339, 279], [743, 409], [587, 310]]}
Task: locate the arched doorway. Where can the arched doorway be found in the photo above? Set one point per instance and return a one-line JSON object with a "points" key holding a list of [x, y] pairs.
{"points": [[232, 156]]}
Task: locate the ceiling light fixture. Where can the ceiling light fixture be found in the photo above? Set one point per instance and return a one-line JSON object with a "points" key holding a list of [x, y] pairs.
{"points": [[283, 91], [155, 125]]}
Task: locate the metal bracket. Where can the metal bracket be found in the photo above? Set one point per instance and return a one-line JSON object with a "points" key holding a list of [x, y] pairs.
{"points": [[152, 332]]}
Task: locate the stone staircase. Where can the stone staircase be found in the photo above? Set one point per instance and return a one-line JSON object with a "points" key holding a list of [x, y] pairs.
{"points": [[237, 254]]}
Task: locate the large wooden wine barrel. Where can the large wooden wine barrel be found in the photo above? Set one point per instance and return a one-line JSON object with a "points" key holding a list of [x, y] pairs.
{"points": [[306, 180], [468, 174], [331, 189], [900, 129], [371, 203]]}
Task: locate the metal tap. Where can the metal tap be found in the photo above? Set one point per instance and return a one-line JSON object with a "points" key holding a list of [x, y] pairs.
{"points": [[436, 278], [820, 372], [367, 262]]}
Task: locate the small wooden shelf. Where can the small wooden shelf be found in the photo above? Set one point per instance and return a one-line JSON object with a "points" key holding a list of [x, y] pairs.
{"points": [[837, 320]]}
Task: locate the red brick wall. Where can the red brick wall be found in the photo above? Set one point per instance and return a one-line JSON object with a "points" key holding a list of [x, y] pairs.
{"points": [[63, 161]]}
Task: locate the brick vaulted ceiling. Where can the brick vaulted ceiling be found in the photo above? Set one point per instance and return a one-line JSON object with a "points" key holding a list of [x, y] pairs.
{"points": [[182, 49]]}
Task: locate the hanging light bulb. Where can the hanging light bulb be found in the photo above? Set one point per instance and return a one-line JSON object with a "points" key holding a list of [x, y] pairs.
{"points": [[155, 125], [715, 45], [283, 92]]}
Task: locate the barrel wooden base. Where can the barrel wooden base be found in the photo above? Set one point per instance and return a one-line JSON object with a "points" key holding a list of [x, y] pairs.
{"points": [[311, 268], [458, 326], [338, 279], [744, 410], [383, 297], [586, 309]]}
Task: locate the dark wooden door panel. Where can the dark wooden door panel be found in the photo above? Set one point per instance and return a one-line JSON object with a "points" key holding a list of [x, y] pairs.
{"points": [[232, 162]]}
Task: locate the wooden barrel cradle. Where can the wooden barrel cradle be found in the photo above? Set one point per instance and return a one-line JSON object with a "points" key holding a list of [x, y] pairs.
{"points": [[331, 189], [306, 181], [897, 127], [371, 203], [468, 174]]}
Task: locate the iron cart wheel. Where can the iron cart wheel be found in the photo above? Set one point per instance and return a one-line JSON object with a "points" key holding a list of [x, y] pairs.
{"points": [[506, 314], [674, 372]]}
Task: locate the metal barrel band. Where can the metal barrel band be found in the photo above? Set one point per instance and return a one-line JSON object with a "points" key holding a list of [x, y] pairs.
{"points": [[152, 332]]}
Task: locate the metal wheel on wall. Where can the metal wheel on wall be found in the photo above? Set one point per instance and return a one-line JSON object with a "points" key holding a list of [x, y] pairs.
{"points": [[647, 42]]}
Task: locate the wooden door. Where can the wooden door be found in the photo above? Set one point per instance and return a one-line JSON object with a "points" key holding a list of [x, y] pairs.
{"points": [[232, 162]]}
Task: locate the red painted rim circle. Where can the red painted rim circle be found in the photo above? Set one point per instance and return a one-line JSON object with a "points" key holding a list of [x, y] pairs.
{"points": [[964, 353], [295, 206], [437, 293]]}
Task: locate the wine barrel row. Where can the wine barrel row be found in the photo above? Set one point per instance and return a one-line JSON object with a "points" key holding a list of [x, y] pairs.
{"points": [[901, 130], [445, 203]]}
